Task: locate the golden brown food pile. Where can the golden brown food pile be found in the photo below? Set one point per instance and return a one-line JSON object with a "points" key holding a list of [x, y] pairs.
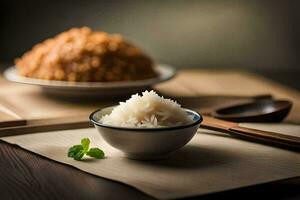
{"points": [[81, 54]]}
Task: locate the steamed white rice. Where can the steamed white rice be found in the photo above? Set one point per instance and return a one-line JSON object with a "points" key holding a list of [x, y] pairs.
{"points": [[147, 111]]}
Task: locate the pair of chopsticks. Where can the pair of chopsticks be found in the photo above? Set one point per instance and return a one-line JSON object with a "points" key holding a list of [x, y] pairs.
{"points": [[266, 137]]}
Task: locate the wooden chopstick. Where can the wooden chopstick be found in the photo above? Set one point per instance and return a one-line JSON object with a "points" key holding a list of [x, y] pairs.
{"points": [[42, 125], [9, 119], [266, 137]]}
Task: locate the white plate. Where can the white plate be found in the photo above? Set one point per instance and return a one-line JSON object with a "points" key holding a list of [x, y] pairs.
{"points": [[66, 88]]}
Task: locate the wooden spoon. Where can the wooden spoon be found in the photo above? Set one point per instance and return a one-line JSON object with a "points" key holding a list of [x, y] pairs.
{"points": [[266, 110]]}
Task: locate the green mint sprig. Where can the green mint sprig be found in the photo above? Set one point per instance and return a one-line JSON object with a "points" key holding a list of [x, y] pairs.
{"points": [[78, 151]]}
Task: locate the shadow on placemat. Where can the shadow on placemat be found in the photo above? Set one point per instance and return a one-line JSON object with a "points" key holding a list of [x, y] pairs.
{"points": [[193, 157]]}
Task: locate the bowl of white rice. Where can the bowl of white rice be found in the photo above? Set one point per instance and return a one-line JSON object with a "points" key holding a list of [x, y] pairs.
{"points": [[147, 126]]}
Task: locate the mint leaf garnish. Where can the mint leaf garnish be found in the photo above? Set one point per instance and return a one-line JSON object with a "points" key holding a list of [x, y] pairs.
{"points": [[78, 151], [79, 155], [95, 153], [74, 150], [85, 142]]}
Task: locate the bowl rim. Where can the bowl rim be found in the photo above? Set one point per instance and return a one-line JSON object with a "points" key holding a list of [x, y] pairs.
{"points": [[198, 121]]}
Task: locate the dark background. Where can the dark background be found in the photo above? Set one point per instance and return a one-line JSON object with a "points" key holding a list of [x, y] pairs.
{"points": [[260, 36]]}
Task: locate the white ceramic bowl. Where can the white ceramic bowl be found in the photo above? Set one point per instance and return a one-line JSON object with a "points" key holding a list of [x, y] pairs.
{"points": [[146, 143]]}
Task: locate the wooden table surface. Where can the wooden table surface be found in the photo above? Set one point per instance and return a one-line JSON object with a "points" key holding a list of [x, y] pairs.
{"points": [[24, 175]]}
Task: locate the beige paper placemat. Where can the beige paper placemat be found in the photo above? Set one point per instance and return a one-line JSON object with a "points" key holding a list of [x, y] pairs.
{"points": [[211, 162]]}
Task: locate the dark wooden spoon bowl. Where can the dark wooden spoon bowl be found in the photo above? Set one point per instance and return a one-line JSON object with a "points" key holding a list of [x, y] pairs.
{"points": [[258, 111]]}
